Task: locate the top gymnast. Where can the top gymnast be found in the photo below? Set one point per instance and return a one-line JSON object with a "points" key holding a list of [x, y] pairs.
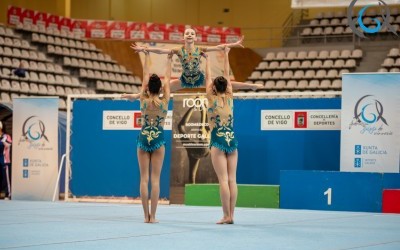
{"points": [[189, 55]]}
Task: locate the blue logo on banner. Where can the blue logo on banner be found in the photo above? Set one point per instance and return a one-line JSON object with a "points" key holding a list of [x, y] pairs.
{"points": [[34, 129], [357, 162], [25, 173], [357, 149], [385, 17], [25, 162], [368, 111]]}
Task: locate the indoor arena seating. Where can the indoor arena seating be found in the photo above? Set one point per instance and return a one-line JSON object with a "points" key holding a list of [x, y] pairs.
{"points": [[392, 61], [93, 67], [43, 76], [335, 24], [57, 63], [299, 69]]}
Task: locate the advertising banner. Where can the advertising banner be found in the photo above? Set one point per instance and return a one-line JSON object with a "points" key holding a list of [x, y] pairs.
{"points": [[104, 158], [136, 31], [35, 148], [14, 15], [230, 35], [175, 32], [53, 22], [27, 16], [200, 33], [122, 29], [79, 27], [156, 31], [370, 128], [116, 29], [190, 161], [97, 29], [65, 24], [128, 120], [40, 19], [300, 119], [213, 34]]}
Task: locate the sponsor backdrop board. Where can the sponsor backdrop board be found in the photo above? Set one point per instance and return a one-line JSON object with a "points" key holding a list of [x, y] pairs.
{"points": [[191, 160], [370, 129], [103, 154], [100, 29], [304, 135], [35, 148], [104, 158]]}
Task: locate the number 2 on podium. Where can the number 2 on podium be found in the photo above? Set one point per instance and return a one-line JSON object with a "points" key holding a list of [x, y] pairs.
{"points": [[328, 193]]}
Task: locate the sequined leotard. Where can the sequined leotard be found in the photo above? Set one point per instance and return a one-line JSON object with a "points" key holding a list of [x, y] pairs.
{"points": [[191, 77], [220, 113], [154, 110]]}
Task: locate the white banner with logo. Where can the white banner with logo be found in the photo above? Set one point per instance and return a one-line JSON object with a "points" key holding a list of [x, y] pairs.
{"points": [[370, 130], [128, 120], [35, 148], [300, 119]]}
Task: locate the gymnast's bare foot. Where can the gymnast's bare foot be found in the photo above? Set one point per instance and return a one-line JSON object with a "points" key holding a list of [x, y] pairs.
{"points": [[147, 219], [226, 220], [153, 220]]}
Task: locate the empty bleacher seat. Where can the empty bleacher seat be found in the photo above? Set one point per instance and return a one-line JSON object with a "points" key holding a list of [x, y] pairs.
{"points": [[276, 74], [51, 90], [266, 75], [313, 84], [284, 65], [306, 32], [298, 74], [350, 63], [42, 89], [321, 73], [60, 91], [291, 55], [255, 75], [25, 87], [5, 97], [312, 54], [316, 64], [337, 84], [273, 65], [280, 84], [309, 74], [302, 84], [269, 84], [287, 74], [5, 85], [339, 30], [305, 64], [291, 84], [339, 63], [294, 65], [325, 84], [332, 73]]}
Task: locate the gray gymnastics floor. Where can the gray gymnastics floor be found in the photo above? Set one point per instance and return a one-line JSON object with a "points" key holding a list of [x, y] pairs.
{"points": [[60, 225]]}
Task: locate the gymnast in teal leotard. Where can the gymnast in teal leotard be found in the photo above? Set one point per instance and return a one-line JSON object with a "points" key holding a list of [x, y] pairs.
{"points": [[223, 144], [189, 55], [191, 77], [154, 98]]}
